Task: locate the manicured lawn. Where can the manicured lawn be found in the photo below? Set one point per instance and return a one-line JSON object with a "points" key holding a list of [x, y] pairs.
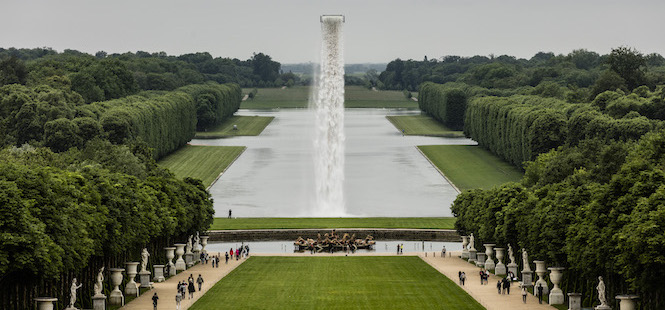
{"points": [[404, 282], [247, 126], [470, 167], [363, 222], [201, 162], [298, 97], [422, 125]]}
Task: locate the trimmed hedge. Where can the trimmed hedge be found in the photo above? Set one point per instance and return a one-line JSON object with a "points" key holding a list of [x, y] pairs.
{"points": [[214, 102], [444, 103]]}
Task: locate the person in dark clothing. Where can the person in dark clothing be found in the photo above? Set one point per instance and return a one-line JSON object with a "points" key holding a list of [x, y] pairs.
{"points": [[229, 213], [540, 293], [199, 281], [506, 286], [498, 286], [154, 301], [227, 257], [191, 289]]}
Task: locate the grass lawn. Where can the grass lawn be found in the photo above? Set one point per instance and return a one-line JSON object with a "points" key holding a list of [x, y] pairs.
{"points": [[404, 282], [247, 126], [201, 162], [335, 222], [423, 125], [470, 167], [298, 97]]}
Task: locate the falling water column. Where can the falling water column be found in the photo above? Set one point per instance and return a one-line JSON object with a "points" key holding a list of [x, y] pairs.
{"points": [[329, 120]]}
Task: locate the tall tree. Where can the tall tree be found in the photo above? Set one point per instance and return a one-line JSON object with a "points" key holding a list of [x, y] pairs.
{"points": [[629, 64]]}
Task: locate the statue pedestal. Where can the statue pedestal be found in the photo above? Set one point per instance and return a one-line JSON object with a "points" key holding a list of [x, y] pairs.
{"points": [[500, 269], [159, 273], [473, 257], [603, 308], [99, 302], [196, 256], [145, 279], [71, 308], [189, 259], [527, 278], [627, 302], [45, 303], [512, 267], [574, 301], [481, 260]]}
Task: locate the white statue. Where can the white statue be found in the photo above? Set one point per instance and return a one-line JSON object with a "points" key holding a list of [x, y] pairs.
{"points": [[188, 247], [525, 260], [196, 242], [601, 292], [511, 255], [471, 242], [72, 290], [99, 285], [144, 260]]}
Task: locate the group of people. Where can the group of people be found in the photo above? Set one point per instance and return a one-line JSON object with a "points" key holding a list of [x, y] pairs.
{"points": [[187, 286], [503, 286], [462, 278], [400, 248], [241, 252], [484, 276]]}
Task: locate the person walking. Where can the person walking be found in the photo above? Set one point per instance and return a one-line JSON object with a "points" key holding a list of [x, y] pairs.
{"points": [[229, 213], [154, 301], [463, 277], [498, 286], [523, 293], [443, 252], [506, 286], [482, 277], [178, 298], [227, 257], [540, 293], [397, 249], [199, 281], [192, 289], [459, 275]]}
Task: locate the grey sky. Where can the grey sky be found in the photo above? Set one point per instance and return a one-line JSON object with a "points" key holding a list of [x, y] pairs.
{"points": [[375, 31]]}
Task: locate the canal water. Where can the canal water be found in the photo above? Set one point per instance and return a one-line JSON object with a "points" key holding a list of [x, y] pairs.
{"points": [[386, 176], [286, 246]]}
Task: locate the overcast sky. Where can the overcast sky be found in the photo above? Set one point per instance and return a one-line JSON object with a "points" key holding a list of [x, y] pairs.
{"points": [[375, 30]]}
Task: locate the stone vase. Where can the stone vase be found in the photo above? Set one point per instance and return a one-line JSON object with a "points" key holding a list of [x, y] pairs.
{"points": [[116, 297], [481, 260], [159, 273], [540, 271], [556, 294], [574, 301], [131, 288], [45, 303], [204, 242], [627, 302], [180, 263], [170, 254], [500, 268], [489, 262], [465, 251]]}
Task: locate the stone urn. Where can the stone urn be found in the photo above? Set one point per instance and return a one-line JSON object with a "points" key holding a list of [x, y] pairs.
{"points": [[489, 262], [541, 271], [574, 301], [116, 297], [481, 260], [204, 242], [465, 251], [170, 254], [180, 262], [500, 268], [627, 302], [556, 294], [45, 303], [131, 288]]}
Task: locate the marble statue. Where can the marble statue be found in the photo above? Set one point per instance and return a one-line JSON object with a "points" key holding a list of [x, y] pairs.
{"points": [[99, 285], [471, 242], [511, 255], [601, 292], [197, 240], [525, 260], [144, 260], [188, 247], [72, 290]]}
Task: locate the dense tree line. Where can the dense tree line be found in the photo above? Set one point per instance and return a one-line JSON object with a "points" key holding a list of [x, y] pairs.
{"points": [[446, 104], [576, 77], [595, 208]]}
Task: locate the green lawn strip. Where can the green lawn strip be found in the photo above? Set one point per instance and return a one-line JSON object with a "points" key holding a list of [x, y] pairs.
{"points": [[298, 97], [470, 166], [201, 162], [334, 222], [247, 126], [358, 282], [423, 125]]}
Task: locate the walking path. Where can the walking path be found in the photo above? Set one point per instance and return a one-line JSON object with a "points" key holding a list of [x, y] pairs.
{"points": [[167, 290], [486, 295]]}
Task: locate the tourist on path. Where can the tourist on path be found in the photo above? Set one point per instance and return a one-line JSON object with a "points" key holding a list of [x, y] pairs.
{"points": [[192, 289], [523, 293], [154, 301], [443, 252], [459, 274], [229, 213], [482, 277], [178, 298], [498, 286], [199, 281], [540, 293], [227, 257], [463, 277], [506, 286], [397, 249]]}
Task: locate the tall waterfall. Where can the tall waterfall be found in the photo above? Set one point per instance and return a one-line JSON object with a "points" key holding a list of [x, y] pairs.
{"points": [[329, 122]]}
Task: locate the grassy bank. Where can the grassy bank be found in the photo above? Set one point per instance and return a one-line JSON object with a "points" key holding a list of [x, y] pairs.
{"points": [[336, 283], [354, 97], [247, 126], [357, 222], [470, 167], [422, 125], [201, 162]]}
